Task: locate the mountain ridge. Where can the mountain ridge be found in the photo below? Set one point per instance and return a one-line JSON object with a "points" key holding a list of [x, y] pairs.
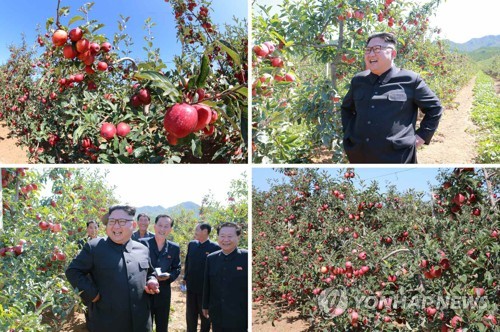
{"points": [[153, 211], [476, 43]]}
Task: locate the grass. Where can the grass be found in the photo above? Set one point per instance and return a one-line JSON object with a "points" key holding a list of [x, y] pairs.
{"points": [[486, 114]]}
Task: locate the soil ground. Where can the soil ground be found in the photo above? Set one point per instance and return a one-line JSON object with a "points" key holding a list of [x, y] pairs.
{"points": [[10, 151], [177, 320], [289, 322], [454, 141]]}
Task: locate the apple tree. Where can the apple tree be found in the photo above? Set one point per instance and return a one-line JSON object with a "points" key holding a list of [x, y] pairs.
{"points": [[80, 97], [321, 43], [39, 239], [397, 260]]}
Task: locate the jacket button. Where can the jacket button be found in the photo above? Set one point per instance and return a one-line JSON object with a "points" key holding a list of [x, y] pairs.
{"points": [[369, 122], [368, 140]]}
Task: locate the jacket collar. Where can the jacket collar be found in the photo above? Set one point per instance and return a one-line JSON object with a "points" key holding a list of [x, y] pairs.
{"points": [[384, 77]]}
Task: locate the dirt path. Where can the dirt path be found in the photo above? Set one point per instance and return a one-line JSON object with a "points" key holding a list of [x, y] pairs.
{"points": [[177, 320], [289, 322], [10, 152], [454, 141]]}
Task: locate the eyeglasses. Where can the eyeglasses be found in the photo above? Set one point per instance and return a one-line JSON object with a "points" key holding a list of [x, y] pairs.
{"points": [[121, 222], [376, 49]]}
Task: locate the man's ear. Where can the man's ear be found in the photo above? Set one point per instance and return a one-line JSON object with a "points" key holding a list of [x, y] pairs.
{"points": [[393, 54], [134, 224]]}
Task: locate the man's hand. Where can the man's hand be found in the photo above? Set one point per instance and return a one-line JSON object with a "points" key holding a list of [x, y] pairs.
{"points": [[97, 298], [183, 282], [205, 313], [419, 141]]}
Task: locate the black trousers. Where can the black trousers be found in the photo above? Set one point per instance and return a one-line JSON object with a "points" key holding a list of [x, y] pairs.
{"points": [[160, 309], [193, 311]]}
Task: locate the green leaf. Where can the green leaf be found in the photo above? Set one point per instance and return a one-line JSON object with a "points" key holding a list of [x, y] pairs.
{"points": [[97, 27], [139, 152], [196, 148], [204, 71], [75, 19], [226, 47], [159, 81], [192, 82], [49, 22], [78, 133], [243, 91]]}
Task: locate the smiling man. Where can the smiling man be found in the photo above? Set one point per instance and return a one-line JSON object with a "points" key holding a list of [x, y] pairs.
{"points": [[225, 286], [119, 269], [379, 112], [142, 232], [165, 257]]}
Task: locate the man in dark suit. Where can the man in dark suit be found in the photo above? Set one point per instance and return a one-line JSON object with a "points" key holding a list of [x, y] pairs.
{"points": [[379, 112], [142, 232], [165, 258], [225, 287], [194, 269], [119, 270]]}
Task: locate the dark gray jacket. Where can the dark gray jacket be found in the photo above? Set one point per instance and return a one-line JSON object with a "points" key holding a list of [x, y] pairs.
{"points": [[118, 273], [194, 269], [225, 289], [379, 115]]}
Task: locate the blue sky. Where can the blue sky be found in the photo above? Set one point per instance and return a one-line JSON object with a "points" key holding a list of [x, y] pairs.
{"points": [[404, 178], [22, 16]]}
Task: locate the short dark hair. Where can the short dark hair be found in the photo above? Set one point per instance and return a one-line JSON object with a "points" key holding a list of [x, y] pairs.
{"points": [[386, 36], [165, 216], [204, 225], [143, 215], [92, 222], [130, 210], [229, 224]]}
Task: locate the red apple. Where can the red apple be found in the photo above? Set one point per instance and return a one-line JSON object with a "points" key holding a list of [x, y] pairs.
{"points": [[153, 284], [144, 96], [75, 34], [59, 37], [69, 52], [204, 116], [102, 66], [106, 47], [94, 48], [180, 120], [108, 130], [261, 50], [82, 45], [122, 129], [43, 225]]}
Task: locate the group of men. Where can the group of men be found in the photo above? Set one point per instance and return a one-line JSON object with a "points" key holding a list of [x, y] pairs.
{"points": [[125, 278]]}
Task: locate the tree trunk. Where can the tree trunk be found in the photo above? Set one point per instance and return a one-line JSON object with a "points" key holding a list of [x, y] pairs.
{"points": [[336, 60]]}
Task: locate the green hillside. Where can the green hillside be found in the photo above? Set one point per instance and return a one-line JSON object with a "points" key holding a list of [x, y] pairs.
{"points": [[491, 66], [484, 53]]}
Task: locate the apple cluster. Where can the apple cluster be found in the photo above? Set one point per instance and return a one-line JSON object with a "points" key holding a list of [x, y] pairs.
{"points": [[83, 49], [109, 130], [265, 52], [183, 119], [141, 98], [13, 250]]}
